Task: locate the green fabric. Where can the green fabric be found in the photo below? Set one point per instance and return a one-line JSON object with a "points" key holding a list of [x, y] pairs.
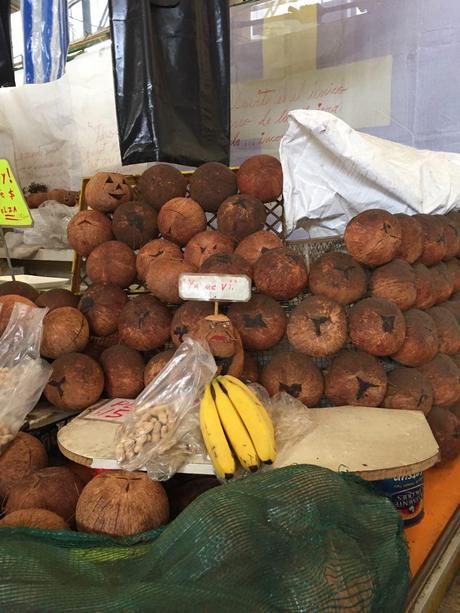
{"points": [[300, 538]]}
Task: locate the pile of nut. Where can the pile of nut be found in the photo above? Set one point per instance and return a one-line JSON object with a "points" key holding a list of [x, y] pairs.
{"points": [[151, 425]]}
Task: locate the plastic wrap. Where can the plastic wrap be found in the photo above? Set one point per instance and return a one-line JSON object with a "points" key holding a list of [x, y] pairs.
{"points": [[50, 226], [163, 428], [23, 373]]}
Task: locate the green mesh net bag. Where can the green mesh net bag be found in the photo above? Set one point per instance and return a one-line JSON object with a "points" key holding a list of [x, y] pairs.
{"points": [[300, 538]]}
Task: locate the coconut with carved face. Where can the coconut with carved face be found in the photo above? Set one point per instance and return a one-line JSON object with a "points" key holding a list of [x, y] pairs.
{"points": [[107, 190], [186, 317]]}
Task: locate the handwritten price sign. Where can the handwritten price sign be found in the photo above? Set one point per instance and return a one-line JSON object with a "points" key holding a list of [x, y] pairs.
{"points": [[14, 211], [114, 410], [208, 287]]}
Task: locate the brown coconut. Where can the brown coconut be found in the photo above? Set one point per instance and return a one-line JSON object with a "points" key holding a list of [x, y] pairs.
{"points": [[317, 326], [453, 306], [261, 176], [76, 382], [426, 296], [34, 518], [161, 183], [295, 374], [254, 245], [434, 239], [144, 323], [56, 298], [339, 277], [19, 288], [411, 238], [180, 219], [444, 377], [122, 503], [453, 266], [156, 364], [357, 379], [421, 341], [241, 215], [54, 488], [98, 344], [211, 184], [205, 244], [373, 237], [112, 262], [453, 218], [64, 330], [395, 282], [84, 473], [377, 326], [281, 274], [23, 456], [107, 190], [88, 229], [442, 282], [445, 426], [250, 372], [227, 264], [135, 223], [261, 322], [408, 389], [448, 329], [162, 278], [102, 304], [153, 251], [123, 371], [6, 308], [186, 317], [452, 234]]}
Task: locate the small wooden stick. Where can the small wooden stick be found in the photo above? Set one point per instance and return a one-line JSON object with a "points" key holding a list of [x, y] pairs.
{"points": [[216, 308]]}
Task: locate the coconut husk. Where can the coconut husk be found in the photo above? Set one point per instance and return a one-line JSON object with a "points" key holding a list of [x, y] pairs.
{"points": [[6, 308], [65, 330], [373, 237], [205, 244], [261, 176], [144, 323], [442, 281], [426, 296], [19, 288], [408, 390], [434, 239], [180, 219], [448, 329], [34, 518], [211, 184], [186, 317], [88, 229], [254, 245], [23, 456], [421, 341], [280, 274], [162, 278], [156, 364], [444, 377], [102, 304], [377, 326], [445, 426], [161, 183], [123, 371], [411, 238], [261, 322], [339, 277], [56, 298], [153, 251], [112, 262], [241, 215], [135, 224], [395, 282]]}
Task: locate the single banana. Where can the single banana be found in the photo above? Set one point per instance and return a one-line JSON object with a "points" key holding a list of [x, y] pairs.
{"points": [[235, 430], [214, 437], [255, 418]]}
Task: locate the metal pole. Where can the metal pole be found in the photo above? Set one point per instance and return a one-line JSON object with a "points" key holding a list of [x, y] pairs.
{"points": [[86, 12], [8, 259]]}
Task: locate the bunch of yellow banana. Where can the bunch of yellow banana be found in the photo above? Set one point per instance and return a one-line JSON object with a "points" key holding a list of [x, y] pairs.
{"points": [[235, 423]]}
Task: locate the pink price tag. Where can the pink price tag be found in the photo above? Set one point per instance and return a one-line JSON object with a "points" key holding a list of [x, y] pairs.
{"points": [[112, 410]]}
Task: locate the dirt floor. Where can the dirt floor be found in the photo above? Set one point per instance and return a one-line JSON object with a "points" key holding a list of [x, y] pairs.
{"points": [[451, 602]]}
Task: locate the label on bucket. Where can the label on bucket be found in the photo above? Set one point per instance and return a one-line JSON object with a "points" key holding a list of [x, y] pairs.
{"points": [[406, 493]]}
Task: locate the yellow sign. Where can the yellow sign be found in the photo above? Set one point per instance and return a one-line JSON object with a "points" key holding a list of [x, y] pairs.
{"points": [[14, 211]]}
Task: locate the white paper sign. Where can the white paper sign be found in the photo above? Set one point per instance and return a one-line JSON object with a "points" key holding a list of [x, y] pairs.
{"points": [[208, 287], [112, 410]]}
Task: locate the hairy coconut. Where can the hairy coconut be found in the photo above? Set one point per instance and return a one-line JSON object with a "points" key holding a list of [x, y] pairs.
{"points": [[112, 262], [211, 184], [281, 274], [161, 183], [124, 372], [411, 238], [121, 503], [135, 223], [442, 281], [56, 298], [153, 251], [107, 190], [444, 377], [205, 244], [34, 518], [421, 341], [261, 322], [23, 456], [355, 378], [261, 176], [227, 264], [162, 278], [156, 364], [19, 288], [377, 326], [76, 382], [453, 266], [434, 239], [144, 323], [7, 303], [339, 277], [395, 282], [445, 426], [98, 344], [84, 473], [295, 374], [54, 488], [88, 229], [241, 215], [180, 219], [373, 237], [452, 233], [64, 330], [448, 329], [408, 389], [250, 372], [186, 317], [426, 296], [254, 245], [102, 304], [317, 326]]}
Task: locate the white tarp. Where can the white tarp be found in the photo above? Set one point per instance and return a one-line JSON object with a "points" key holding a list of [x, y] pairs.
{"points": [[332, 172]]}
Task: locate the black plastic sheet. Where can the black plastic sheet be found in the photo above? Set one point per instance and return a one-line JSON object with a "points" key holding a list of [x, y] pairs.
{"points": [[6, 58], [172, 80]]}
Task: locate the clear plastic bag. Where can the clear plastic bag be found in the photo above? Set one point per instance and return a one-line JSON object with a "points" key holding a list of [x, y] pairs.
{"points": [[50, 226], [163, 428], [23, 373]]}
